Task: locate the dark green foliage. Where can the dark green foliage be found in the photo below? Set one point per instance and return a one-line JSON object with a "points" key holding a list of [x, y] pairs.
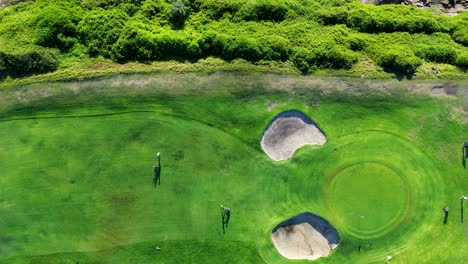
{"points": [[263, 10], [331, 56], [437, 53], [4, 63], [55, 28], [310, 33], [100, 29], [357, 43], [301, 60], [91, 4], [335, 57], [216, 9], [388, 18], [275, 48], [462, 60], [33, 62], [398, 59], [178, 14], [135, 44], [152, 8], [242, 47], [212, 43], [460, 34]]}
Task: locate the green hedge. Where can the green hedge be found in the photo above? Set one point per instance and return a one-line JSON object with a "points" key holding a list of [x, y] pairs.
{"points": [[100, 29], [387, 18], [332, 57], [460, 33], [397, 58], [462, 60], [56, 27], [437, 53], [33, 62]]}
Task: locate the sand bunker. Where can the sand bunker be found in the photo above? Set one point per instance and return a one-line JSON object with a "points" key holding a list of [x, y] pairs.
{"points": [[289, 131], [306, 236]]}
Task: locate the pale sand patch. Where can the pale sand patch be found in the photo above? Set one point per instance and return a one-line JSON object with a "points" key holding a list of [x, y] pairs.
{"points": [[306, 236], [289, 131]]}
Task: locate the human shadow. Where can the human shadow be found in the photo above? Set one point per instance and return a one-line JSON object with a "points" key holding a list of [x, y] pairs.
{"points": [[461, 210], [464, 156], [445, 215], [157, 172]]}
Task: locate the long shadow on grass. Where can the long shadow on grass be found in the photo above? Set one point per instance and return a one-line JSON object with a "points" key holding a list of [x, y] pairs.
{"points": [[464, 154]]}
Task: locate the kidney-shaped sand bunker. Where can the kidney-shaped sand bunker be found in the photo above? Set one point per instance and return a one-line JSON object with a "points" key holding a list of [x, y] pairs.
{"points": [[289, 131], [305, 236]]}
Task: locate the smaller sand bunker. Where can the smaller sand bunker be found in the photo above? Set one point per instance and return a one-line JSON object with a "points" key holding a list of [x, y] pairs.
{"points": [[306, 236], [289, 131]]}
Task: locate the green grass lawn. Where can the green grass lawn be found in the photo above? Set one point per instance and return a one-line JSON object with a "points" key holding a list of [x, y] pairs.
{"points": [[76, 176]]}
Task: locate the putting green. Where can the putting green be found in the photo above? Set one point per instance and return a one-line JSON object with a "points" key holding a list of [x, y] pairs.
{"points": [[367, 198]]}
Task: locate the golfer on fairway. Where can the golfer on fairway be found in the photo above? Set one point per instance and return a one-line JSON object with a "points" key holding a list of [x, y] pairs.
{"points": [[226, 215], [157, 171]]}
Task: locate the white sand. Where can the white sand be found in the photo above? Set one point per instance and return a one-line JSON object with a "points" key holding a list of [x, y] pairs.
{"points": [[286, 134], [301, 241]]}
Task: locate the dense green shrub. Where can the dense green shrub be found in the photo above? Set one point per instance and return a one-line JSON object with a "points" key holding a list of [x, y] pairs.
{"points": [[357, 42], [100, 29], [178, 14], [55, 28], [334, 57], [212, 43], [330, 56], [152, 8], [242, 47], [4, 63], [263, 10], [388, 18], [397, 58], [216, 9], [462, 60], [33, 62], [301, 58], [310, 33], [134, 44], [437, 53], [275, 48], [92, 4], [460, 34]]}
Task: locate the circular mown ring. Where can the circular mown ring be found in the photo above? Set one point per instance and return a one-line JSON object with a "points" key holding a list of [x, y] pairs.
{"points": [[367, 199]]}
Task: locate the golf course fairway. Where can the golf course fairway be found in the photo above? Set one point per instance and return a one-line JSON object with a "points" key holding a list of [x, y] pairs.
{"points": [[76, 172]]}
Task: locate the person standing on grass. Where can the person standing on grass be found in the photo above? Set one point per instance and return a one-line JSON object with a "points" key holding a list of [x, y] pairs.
{"points": [[157, 171], [225, 216]]}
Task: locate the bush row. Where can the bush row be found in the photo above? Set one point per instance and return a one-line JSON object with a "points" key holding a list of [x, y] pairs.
{"points": [[34, 62], [388, 18], [333, 57], [135, 44]]}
